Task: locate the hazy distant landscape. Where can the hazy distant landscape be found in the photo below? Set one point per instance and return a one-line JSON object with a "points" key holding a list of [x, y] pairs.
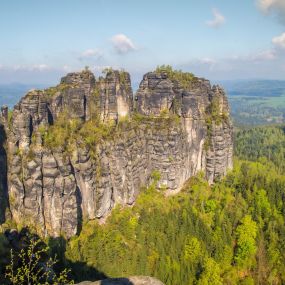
{"points": [[256, 102]]}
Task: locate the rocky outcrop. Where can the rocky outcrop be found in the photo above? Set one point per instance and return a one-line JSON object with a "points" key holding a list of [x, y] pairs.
{"points": [[116, 96], [135, 280], [113, 141], [204, 111]]}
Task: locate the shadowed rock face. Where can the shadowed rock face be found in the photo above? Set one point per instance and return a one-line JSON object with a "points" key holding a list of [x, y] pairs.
{"points": [[181, 131], [3, 172], [135, 280]]}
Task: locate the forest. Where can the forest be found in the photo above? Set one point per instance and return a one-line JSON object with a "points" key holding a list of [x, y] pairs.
{"points": [[232, 232]]}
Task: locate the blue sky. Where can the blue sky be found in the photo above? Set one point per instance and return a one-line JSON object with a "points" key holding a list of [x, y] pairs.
{"points": [[219, 39]]}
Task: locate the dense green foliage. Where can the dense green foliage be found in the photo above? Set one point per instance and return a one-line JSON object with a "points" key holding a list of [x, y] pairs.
{"points": [[230, 233], [253, 111], [66, 132], [256, 143], [184, 78]]}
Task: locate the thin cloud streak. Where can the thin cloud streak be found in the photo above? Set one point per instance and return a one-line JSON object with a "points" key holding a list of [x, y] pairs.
{"points": [[218, 20], [91, 54], [279, 41]]}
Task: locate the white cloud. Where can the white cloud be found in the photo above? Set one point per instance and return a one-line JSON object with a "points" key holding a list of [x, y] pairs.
{"points": [[275, 6], [40, 67], [207, 60], [265, 64], [264, 55], [256, 58], [218, 20], [267, 5], [211, 63], [67, 68], [122, 44], [279, 41], [35, 67], [90, 53], [100, 68]]}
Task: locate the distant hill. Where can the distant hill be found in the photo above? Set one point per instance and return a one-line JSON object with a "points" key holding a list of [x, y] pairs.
{"points": [[11, 93], [256, 102], [260, 88]]}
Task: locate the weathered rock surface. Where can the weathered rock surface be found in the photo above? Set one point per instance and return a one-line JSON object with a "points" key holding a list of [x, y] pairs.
{"points": [[179, 131], [116, 95], [135, 280]]}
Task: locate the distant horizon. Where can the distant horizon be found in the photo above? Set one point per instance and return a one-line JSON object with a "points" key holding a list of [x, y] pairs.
{"points": [[11, 93], [137, 79], [134, 78]]}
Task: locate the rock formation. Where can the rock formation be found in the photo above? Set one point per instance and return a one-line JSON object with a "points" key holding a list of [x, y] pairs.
{"points": [[77, 149]]}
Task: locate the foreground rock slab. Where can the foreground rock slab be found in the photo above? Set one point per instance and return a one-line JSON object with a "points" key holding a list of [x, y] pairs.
{"points": [[134, 280]]}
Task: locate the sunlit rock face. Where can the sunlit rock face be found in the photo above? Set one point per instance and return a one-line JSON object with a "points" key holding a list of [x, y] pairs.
{"points": [[173, 128], [157, 94], [116, 95]]}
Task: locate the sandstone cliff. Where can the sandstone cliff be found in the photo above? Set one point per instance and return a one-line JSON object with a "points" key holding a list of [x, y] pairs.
{"points": [[77, 149]]}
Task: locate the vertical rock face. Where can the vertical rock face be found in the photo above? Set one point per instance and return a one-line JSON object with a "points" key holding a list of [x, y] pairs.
{"points": [[116, 96], [156, 93], [204, 111], [219, 155], [77, 95], [176, 129]]}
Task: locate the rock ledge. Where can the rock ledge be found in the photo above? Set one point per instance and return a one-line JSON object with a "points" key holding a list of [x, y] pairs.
{"points": [[134, 280]]}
